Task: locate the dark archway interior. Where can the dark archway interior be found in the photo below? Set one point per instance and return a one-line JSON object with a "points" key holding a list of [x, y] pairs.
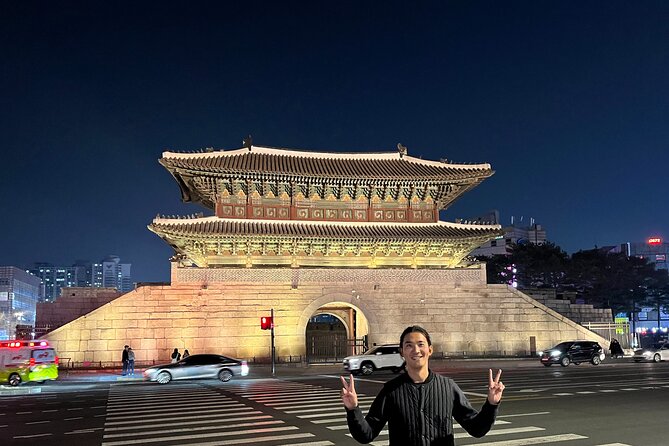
{"points": [[326, 338]]}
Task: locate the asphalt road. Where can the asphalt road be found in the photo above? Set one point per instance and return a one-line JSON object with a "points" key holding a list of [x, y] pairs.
{"points": [[615, 404]]}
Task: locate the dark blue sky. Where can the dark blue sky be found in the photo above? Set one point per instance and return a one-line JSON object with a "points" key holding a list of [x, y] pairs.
{"points": [[569, 102]]}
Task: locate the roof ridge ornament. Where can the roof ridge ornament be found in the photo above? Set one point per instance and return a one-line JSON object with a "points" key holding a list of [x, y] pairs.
{"points": [[248, 142], [402, 149]]}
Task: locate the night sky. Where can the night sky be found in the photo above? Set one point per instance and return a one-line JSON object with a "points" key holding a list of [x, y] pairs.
{"points": [[568, 101]]}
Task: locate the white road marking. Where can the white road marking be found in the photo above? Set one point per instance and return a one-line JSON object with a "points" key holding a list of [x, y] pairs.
{"points": [[33, 436], [534, 440], [251, 440], [210, 435], [152, 426], [162, 417], [528, 414], [311, 443], [482, 395], [355, 378], [510, 430], [194, 429]]}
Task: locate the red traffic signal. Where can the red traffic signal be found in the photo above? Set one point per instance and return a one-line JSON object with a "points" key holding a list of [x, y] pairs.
{"points": [[266, 323]]}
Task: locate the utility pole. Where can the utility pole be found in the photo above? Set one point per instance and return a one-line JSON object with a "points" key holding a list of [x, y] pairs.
{"points": [[272, 328]]}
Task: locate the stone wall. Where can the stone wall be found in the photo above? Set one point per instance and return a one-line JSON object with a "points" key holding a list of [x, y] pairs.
{"points": [[223, 315], [72, 303], [579, 313]]}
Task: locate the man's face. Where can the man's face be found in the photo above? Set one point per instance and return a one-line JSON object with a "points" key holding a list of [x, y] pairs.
{"points": [[415, 350]]}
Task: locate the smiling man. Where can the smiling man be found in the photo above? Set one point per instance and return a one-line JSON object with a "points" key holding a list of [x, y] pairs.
{"points": [[419, 406]]}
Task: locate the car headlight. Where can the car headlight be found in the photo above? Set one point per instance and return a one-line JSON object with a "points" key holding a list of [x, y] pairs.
{"points": [[556, 353]]}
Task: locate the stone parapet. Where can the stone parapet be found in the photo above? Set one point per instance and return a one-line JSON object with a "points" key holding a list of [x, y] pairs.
{"points": [[475, 275]]}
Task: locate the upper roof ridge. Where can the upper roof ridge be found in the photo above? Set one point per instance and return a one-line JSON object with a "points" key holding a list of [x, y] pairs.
{"points": [[209, 153]]}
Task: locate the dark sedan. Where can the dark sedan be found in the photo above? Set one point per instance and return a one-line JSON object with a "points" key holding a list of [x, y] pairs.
{"points": [[198, 366], [575, 352]]}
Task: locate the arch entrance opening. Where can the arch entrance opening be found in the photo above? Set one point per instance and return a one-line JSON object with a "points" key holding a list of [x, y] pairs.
{"points": [[335, 331]]}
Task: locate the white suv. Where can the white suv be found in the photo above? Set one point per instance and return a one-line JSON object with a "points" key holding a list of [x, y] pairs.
{"points": [[379, 357]]}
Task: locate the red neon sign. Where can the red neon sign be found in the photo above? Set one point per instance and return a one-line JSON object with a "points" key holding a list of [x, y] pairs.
{"points": [[655, 241]]}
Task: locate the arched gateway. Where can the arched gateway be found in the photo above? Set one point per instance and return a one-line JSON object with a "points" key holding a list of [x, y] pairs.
{"points": [[356, 236]]}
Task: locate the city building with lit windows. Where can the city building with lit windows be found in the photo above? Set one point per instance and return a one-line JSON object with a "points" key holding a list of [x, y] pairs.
{"points": [[19, 294], [108, 273]]}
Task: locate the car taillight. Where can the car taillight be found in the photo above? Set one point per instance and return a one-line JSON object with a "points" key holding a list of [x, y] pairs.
{"points": [[56, 360], [32, 362]]}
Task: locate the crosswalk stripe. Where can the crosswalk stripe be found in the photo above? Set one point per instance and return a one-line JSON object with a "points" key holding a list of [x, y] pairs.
{"points": [[176, 416], [192, 429], [336, 402], [339, 413], [182, 406], [304, 397], [311, 443], [210, 435], [190, 422], [133, 398], [510, 430], [200, 401], [534, 440], [253, 440], [527, 414], [330, 420], [323, 409]]}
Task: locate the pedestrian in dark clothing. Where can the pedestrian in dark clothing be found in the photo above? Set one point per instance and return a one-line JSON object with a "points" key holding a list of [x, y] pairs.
{"points": [[131, 361], [419, 406], [186, 354], [176, 356], [616, 349], [124, 360]]}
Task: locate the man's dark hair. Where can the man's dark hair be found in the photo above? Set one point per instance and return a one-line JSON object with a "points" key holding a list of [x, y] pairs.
{"points": [[415, 329]]}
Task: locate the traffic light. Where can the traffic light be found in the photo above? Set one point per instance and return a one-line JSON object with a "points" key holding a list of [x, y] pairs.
{"points": [[266, 323]]}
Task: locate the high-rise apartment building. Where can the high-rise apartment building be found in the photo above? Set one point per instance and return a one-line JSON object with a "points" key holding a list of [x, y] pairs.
{"points": [[19, 293], [109, 273]]}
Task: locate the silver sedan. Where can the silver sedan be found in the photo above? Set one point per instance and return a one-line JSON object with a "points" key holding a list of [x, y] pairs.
{"points": [[198, 366], [656, 353]]}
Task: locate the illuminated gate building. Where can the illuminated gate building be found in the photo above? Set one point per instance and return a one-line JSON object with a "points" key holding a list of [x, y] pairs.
{"points": [[355, 236]]}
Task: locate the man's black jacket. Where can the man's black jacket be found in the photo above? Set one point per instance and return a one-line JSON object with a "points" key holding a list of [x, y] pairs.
{"points": [[420, 414]]}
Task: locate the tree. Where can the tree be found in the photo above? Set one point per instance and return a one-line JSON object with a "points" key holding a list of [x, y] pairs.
{"points": [[539, 266]]}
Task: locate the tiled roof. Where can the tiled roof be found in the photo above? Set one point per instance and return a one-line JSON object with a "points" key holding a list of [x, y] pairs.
{"points": [[293, 163], [214, 226]]}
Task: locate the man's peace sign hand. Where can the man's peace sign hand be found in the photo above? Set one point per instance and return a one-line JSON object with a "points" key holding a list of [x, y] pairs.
{"points": [[348, 395], [495, 387]]}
